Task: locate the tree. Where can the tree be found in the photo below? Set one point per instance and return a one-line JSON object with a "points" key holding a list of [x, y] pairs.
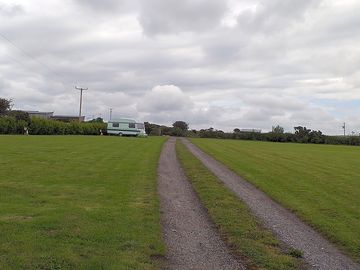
{"points": [[155, 131], [180, 129], [20, 116], [316, 137], [181, 125], [166, 130], [302, 134], [5, 105], [302, 131], [176, 131], [278, 129], [150, 127], [97, 120]]}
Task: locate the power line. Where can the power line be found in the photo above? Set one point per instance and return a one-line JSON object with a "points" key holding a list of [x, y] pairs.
{"points": [[15, 60], [60, 77]]}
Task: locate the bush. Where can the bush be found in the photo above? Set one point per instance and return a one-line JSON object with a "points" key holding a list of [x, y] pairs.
{"points": [[9, 125], [347, 140], [39, 126], [295, 253], [20, 115], [178, 132], [302, 135]]}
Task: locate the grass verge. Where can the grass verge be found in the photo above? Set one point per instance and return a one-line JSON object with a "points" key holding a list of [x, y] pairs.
{"points": [[319, 183], [79, 202], [238, 227]]}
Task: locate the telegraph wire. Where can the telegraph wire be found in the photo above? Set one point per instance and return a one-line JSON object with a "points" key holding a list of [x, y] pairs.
{"points": [[59, 76]]}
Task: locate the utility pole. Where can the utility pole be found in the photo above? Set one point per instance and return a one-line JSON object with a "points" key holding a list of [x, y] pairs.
{"points": [[81, 91], [110, 113], [344, 127]]}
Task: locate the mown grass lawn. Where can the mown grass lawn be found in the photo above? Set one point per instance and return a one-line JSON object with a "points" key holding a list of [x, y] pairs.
{"points": [[257, 247], [320, 183], [77, 202]]}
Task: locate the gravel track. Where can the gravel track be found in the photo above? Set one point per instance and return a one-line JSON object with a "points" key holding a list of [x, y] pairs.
{"points": [[318, 252], [191, 238]]}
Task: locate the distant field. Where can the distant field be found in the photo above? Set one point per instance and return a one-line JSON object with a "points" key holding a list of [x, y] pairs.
{"points": [[320, 183], [76, 202]]}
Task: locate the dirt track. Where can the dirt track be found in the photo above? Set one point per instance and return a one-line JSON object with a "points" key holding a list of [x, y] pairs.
{"points": [[191, 238], [318, 252]]}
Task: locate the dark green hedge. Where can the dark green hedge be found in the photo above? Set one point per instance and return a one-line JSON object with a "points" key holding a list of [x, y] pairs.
{"points": [[9, 125], [38, 126], [315, 137]]}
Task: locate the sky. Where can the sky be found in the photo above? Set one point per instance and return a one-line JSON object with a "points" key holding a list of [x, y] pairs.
{"points": [[222, 64]]}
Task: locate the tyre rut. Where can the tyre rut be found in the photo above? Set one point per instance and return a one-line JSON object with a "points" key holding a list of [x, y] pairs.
{"points": [[191, 239]]}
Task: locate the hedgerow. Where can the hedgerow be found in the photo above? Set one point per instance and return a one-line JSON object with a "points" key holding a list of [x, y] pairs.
{"points": [[38, 126]]}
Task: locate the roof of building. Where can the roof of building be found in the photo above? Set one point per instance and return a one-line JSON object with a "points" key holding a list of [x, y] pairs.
{"points": [[38, 112], [68, 116], [250, 130]]}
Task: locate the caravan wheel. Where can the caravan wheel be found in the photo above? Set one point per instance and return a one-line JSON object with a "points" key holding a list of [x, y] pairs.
{"points": [[120, 134]]}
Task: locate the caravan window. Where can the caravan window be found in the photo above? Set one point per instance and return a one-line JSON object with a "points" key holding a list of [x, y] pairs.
{"points": [[140, 126], [131, 125], [115, 124]]}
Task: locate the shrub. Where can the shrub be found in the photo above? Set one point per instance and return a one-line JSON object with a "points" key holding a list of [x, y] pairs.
{"points": [[9, 125], [39, 126], [295, 253]]}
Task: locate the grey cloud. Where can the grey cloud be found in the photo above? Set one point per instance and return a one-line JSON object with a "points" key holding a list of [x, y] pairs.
{"points": [[10, 9], [256, 116], [103, 4], [271, 102], [275, 15], [307, 116], [269, 69], [172, 16], [107, 6]]}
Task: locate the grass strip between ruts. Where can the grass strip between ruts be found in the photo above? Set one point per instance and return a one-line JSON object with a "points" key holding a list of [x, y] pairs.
{"points": [[257, 246]]}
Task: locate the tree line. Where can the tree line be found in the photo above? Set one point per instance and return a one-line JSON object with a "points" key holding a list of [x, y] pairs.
{"points": [[301, 134], [19, 122]]}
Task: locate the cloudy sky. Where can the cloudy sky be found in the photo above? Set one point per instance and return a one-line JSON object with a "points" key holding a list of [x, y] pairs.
{"points": [[212, 63]]}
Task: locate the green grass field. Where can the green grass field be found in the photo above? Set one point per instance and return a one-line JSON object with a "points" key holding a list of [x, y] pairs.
{"points": [[258, 248], [76, 202], [320, 183]]}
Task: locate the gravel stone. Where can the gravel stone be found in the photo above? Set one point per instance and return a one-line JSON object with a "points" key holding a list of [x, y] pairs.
{"points": [[191, 238]]}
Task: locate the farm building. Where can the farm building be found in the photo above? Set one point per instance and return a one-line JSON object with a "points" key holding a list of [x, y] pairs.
{"points": [[44, 115], [50, 115], [68, 118], [250, 130]]}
